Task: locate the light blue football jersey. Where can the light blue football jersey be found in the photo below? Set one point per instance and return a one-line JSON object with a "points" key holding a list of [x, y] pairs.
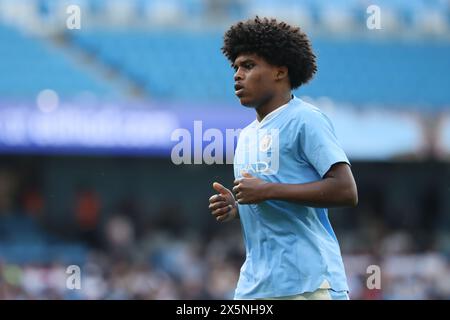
{"points": [[290, 248]]}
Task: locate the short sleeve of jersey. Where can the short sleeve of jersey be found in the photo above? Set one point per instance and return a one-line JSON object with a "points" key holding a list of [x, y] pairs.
{"points": [[318, 142]]}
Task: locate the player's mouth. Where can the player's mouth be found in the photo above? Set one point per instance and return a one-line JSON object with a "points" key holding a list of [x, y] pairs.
{"points": [[239, 89]]}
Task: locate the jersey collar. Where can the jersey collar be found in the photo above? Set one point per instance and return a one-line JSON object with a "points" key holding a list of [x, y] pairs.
{"points": [[274, 113]]}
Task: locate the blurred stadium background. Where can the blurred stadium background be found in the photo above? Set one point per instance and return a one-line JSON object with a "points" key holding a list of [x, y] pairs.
{"points": [[86, 117]]}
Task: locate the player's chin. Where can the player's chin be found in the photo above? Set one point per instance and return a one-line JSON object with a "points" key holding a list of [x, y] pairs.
{"points": [[246, 102]]}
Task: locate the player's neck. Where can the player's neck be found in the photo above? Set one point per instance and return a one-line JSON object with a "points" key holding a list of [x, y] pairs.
{"points": [[271, 105]]}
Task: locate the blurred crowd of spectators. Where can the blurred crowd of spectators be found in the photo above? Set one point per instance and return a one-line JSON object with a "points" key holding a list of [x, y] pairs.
{"points": [[162, 265], [167, 256]]}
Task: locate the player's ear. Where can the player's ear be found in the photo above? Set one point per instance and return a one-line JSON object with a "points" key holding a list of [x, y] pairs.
{"points": [[281, 73]]}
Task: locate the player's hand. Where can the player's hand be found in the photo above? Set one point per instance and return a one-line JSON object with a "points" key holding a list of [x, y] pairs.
{"points": [[250, 189], [223, 205]]}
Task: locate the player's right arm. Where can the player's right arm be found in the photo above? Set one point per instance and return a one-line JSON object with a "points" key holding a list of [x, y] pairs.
{"points": [[223, 206]]}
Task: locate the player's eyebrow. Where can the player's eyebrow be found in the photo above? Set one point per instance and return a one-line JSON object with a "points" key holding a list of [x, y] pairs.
{"points": [[241, 62]]}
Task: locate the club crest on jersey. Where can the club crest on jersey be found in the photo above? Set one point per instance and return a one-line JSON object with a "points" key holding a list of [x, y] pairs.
{"points": [[265, 143]]}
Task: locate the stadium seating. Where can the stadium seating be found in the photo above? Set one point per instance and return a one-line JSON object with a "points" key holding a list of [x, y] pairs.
{"points": [[29, 65], [189, 66]]}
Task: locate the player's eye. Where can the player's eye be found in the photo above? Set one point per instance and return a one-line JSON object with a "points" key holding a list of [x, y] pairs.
{"points": [[249, 65]]}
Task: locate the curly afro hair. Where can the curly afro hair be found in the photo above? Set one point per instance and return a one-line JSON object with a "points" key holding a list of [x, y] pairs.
{"points": [[277, 42]]}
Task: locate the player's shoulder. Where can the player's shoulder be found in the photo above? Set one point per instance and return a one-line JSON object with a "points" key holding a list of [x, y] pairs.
{"points": [[304, 112]]}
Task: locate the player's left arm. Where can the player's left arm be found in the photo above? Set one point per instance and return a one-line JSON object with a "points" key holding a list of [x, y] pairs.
{"points": [[336, 189]]}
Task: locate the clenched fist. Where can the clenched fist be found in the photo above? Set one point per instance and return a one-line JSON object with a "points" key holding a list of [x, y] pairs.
{"points": [[250, 189]]}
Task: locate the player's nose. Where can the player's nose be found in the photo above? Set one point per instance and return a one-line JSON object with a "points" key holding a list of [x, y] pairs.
{"points": [[238, 75]]}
